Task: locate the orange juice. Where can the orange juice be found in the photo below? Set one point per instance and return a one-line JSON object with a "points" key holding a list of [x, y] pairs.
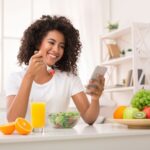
{"points": [[38, 110]]}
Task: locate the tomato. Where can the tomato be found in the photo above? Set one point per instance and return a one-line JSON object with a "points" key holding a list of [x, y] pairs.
{"points": [[147, 111]]}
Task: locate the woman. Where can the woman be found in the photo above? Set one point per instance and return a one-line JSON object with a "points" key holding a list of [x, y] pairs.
{"points": [[53, 42]]}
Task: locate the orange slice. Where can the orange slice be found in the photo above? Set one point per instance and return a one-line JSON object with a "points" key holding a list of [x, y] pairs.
{"points": [[118, 113], [22, 126], [7, 128]]}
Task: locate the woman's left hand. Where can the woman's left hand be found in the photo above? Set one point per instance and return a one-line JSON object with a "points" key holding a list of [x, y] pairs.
{"points": [[96, 87]]}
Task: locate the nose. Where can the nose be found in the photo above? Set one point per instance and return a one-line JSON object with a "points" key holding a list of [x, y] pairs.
{"points": [[56, 48]]}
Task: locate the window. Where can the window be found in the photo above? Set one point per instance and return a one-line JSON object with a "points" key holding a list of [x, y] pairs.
{"points": [[1, 10], [12, 26]]}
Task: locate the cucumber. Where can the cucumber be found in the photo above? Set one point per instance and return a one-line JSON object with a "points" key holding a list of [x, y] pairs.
{"points": [[139, 115]]}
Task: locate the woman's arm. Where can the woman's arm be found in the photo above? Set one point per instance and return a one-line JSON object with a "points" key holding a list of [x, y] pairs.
{"points": [[90, 111], [17, 104]]}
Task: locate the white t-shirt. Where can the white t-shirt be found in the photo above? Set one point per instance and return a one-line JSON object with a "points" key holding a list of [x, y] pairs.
{"points": [[56, 92]]}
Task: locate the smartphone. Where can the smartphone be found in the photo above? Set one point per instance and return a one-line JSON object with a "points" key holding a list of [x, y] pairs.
{"points": [[99, 70]]}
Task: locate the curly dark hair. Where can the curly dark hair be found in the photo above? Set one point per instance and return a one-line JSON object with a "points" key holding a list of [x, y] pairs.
{"points": [[35, 33]]}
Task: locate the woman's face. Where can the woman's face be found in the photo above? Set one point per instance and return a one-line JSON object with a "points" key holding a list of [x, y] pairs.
{"points": [[52, 47]]}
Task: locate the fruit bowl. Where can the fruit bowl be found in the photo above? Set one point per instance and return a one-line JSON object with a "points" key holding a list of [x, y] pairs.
{"points": [[64, 119]]}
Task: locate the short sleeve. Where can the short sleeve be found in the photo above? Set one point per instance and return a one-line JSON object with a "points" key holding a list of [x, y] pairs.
{"points": [[12, 84], [76, 86]]}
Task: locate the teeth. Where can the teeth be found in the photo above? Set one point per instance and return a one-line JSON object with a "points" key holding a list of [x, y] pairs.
{"points": [[53, 56]]}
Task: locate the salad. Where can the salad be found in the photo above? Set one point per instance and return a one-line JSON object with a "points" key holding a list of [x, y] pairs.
{"points": [[64, 119]]}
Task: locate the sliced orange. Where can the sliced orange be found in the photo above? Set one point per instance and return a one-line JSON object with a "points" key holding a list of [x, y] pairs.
{"points": [[7, 128], [118, 113], [22, 126]]}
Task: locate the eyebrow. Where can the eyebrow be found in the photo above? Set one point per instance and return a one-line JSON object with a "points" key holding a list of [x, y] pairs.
{"points": [[55, 41]]}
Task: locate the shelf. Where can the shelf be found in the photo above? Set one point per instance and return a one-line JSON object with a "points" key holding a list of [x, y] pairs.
{"points": [[136, 36], [117, 61], [119, 89], [117, 33]]}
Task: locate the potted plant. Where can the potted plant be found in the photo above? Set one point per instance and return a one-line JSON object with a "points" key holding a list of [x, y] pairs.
{"points": [[112, 26]]}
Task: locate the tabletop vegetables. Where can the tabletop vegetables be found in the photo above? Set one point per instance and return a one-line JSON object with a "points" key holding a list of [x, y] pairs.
{"points": [[64, 119], [141, 99]]}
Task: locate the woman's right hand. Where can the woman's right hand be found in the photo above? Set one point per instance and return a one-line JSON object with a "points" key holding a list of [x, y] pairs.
{"points": [[35, 64]]}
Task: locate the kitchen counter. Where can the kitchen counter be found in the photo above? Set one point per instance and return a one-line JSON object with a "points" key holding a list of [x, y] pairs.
{"points": [[81, 137]]}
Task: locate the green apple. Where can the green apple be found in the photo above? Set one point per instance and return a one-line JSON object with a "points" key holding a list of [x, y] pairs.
{"points": [[128, 112]]}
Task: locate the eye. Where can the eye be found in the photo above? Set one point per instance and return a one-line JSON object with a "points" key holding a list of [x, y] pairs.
{"points": [[51, 42], [62, 46]]}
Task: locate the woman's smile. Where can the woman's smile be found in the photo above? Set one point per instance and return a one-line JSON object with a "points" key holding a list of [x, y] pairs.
{"points": [[52, 47], [52, 55]]}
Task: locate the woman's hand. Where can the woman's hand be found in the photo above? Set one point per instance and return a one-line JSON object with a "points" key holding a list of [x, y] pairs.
{"points": [[35, 64], [96, 87]]}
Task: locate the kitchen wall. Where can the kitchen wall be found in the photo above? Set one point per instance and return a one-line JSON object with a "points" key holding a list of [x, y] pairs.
{"points": [[128, 11]]}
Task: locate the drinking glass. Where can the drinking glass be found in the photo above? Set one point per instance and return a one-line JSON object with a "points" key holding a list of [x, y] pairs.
{"points": [[38, 114]]}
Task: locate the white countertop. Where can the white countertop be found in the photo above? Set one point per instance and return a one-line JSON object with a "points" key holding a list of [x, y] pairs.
{"points": [[84, 137], [80, 131]]}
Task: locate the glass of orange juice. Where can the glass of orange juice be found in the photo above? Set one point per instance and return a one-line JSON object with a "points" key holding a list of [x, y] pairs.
{"points": [[38, 114]]}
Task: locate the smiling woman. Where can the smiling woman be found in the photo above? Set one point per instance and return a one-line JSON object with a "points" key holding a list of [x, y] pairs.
{"points": [[25, 11], [17, 15], [51, 41], [49, 33]]}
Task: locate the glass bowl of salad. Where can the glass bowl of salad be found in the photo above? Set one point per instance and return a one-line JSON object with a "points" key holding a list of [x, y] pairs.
{"points": [[64, 119]]}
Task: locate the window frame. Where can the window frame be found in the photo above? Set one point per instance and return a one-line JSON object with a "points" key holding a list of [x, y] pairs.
{"points": [[2, 51], [2, 39]]}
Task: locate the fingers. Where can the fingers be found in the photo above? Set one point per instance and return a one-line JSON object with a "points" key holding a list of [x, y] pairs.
{"points": [[36, 51], [37, 58], [36, 62], [101, 79], [37, 54], [96, 86], [94, 89], [92, 92]]}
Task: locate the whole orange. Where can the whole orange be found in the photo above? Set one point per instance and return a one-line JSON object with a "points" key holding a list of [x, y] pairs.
{"points": [[118, 113]]}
